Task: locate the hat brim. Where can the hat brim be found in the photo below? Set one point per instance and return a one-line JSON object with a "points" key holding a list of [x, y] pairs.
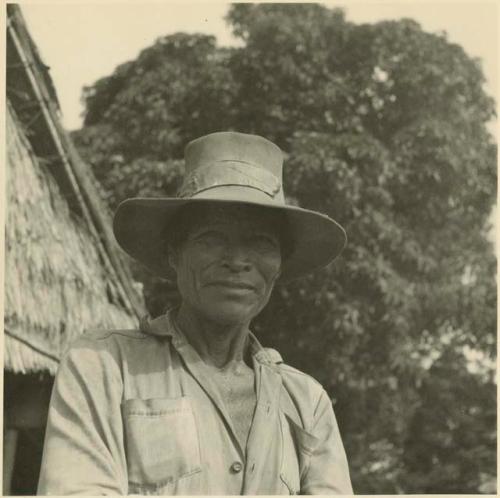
{"points": [[139, 227]]}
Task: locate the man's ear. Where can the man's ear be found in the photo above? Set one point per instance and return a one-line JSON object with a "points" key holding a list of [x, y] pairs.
{"points": [[172, 257], [277, 276]]}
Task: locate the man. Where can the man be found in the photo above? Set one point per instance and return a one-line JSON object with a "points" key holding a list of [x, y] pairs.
{"points": [[191, 403]]}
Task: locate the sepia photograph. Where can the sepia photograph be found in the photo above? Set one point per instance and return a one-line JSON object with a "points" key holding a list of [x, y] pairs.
{"points": [[250, 248]]}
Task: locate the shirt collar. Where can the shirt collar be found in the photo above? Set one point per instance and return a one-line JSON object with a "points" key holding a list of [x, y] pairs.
{"points": [[163, 326]]}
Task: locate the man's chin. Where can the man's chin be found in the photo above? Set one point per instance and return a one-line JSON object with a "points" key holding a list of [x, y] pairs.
{"points": [[231, 314]]}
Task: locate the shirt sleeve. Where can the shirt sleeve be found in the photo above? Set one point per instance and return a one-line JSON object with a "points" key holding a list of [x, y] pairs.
{"points": [[83, 452], [328, 471]]}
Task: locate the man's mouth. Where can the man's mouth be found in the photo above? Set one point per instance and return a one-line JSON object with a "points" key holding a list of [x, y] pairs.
{"points": [[231, 284]]}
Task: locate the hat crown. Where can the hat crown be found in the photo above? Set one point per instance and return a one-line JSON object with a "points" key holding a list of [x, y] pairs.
{"points": [[233, 159], [233, 146]]}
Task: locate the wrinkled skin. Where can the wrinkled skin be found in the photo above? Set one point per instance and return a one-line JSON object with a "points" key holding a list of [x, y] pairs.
{"points": [[228, 265]]}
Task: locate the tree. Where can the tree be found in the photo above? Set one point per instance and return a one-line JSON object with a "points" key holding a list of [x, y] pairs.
{"points": [[384, 129]]}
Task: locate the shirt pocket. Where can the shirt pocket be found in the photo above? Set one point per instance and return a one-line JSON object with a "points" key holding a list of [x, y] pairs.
{"points": [[298, 446], [161, 441]]}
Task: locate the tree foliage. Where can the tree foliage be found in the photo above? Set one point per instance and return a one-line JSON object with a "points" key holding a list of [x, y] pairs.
{"points": [[384, 129]]}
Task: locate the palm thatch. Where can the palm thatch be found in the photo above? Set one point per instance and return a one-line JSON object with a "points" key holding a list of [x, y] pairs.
{"points": [[63, 272]]}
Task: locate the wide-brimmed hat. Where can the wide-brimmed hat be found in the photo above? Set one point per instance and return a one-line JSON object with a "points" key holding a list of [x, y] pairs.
{"points": [[226, 168]]}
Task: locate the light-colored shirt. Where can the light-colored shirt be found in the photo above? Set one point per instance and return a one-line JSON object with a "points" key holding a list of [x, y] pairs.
{"points": [[136, 412]]}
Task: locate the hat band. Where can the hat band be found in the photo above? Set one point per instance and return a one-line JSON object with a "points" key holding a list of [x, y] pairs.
{"points": [[230, 172]]}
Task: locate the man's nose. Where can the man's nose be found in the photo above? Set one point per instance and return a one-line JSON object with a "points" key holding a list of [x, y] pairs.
{"points": [[237, 258]]}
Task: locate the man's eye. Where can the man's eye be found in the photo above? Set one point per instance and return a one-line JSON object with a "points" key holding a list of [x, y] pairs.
{"points": [[264, 242], [209, 237]]}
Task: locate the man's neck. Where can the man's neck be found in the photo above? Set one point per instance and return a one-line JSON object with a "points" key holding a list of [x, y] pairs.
{"points": [[219, 345]]}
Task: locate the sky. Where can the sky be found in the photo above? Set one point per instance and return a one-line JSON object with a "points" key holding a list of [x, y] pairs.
{"points": [[82, 42]]}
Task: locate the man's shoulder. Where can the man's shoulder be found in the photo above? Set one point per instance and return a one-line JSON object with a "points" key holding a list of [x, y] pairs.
{"points": [[99, 335], [292, 376], [105, 339], [300, 382], [121, 344], [146, 331], [301, 392], [298, 375], [117, 352]]}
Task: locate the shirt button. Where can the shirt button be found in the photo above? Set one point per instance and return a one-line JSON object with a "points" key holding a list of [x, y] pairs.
{"points": [[236, 467]]}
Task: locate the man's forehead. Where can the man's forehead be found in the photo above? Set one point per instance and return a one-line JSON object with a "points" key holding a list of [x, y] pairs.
{"points": [[236, 214]]}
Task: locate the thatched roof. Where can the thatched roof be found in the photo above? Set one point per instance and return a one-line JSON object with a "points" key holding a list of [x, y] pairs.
{"points": [[63, 270]]}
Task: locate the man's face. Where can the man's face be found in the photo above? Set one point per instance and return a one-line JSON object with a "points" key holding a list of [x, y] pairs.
{"points": [[228, 264]]}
